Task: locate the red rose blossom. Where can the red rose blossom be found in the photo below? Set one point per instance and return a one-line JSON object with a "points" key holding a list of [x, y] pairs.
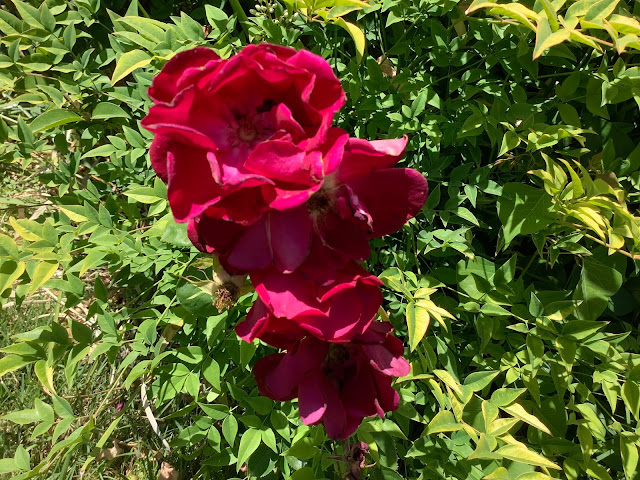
{"points": [[292, 305], [237, 137], [362, 199], [336, 384]]}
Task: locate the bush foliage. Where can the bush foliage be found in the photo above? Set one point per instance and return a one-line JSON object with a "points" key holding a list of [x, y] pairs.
{"points": [[516, 289]]}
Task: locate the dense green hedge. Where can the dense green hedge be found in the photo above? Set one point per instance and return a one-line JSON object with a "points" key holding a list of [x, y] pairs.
{"points": [[516, 290]]}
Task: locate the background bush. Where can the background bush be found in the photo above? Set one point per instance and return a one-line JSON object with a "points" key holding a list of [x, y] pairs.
{"points": [[516, 289]]}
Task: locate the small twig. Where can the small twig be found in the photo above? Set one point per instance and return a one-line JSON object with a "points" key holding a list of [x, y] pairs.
{"points": [[149, 414], [602, 242]]}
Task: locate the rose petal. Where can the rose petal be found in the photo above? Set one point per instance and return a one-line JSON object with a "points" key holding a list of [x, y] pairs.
{"points": [[391, 196], [282, 161], [191, 187], [311, 400], [334, 419], [179, 71], [289, 237], [385, 362], [362, 156], [252, 250], [254, 323]]}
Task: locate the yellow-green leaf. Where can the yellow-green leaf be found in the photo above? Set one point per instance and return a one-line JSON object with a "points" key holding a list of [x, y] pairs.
{"points": [[44, 373], [356, 34], [417, 324], [629, 452], [520, 413], [128, 62], [597, 471], [552, 14], [533, 476], [444, 421], [546, 39], [27, 229], [519, 453], [10, 271], [43, 272], [624, 24]]}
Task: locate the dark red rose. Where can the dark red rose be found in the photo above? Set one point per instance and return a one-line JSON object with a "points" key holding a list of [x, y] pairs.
{"points": [[293, 305], [237, 137], [362, 199], [337, 384]]}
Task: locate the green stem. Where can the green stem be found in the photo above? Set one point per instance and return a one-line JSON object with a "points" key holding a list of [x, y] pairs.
{"points": [[242, 17]]}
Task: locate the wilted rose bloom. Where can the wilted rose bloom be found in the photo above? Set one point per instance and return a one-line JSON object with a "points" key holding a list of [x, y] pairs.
{"points": [[362, 199], [337, 384], [293, 305], [237, 137]]}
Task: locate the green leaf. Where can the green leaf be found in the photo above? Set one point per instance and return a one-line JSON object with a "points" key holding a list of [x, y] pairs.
{"points": [[478, 380], [249, 443], [143, 195], [92, 260], [230, 429], [22, 417], [192, 29], [523, 210], [47, 19], [8, 465], [534, 476], [10, 363], [216, 17], [22, 458], [506, 396], [600, 279], [510, 140], [597, 471], [629, 453], [44, 410], [128, 62], [53, 118], [108, 110], [29, 14], [305, 473], [101, 151], [80, 332], [10, 271], [518, 411], [269, 439], [211, 373], [303, 449]]}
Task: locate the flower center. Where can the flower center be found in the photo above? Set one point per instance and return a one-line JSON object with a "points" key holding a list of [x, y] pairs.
{"points": [[247, 132], [337, 364], [225, 296], [320, 203]]}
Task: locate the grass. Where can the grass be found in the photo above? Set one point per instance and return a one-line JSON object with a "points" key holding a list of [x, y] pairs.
{"points": [[20, 388]]}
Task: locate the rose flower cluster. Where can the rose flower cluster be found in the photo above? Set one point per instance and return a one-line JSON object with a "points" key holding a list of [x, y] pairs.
{"points": [[264, 181]]}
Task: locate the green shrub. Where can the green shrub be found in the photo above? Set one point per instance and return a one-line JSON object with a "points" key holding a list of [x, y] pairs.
{"points": [[516, 289]]}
